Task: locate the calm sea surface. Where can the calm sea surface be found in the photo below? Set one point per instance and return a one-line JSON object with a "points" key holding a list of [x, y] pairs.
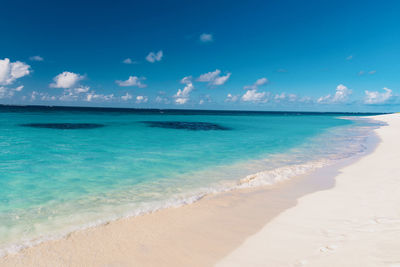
{"points": [[66, 168]]}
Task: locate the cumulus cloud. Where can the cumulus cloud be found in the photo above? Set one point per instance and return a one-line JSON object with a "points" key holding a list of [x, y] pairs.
{"points": [[72, 94], [214, 77], [341, 95], [19, 88], [324, 99], [285, 97], [258, 83], [209, 76], [231, 98], [92, 96], [221, 80], [206, 37], [9, 92], [183, 95], [132, 81], [33, 95], [153, 57], [376, 97], [141, 99], [261, 81], [11, 71], [81, 89], [126, 97], [36, 58], [66, 80], [254, 96], [42, 96]]}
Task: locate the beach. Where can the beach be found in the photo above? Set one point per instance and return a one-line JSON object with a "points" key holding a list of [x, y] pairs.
{"points": [[346, 214], [356, 223]]}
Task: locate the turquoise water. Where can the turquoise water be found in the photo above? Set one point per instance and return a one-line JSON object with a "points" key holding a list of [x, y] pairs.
{"points": [[65, 168]]}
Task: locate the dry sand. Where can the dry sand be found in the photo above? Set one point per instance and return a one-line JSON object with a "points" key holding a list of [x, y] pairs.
{"points": [[335, 217]]}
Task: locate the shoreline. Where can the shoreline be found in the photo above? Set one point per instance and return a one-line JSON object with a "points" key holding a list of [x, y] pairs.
{"points": [[129, 240], [355, 223]]}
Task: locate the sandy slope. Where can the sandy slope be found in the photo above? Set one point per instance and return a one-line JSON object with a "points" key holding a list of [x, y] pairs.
{"points": [[356, 223]]}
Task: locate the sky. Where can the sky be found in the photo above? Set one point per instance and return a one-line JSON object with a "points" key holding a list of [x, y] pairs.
{"points": [[235, 55]]}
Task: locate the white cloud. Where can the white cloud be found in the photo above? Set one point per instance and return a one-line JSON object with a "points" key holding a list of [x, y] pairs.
{"points": [[280, 96], [305, 99], [206, 37], [153, 57], [128, 61], [82, 89], [132, 81], [66, 80], [33, 95], [254, 96], [285, 97], [377, 97], [231, 98], [222, 79], [126, 97], [36, 58], [72, 94], [160, 99], [209, 76], [258, 83], [371, 72], [261, 81], [141, 99], [9, 92], [323, 99], [93, 96], [341, 95], [183, 95], [214, 78], [47, 97], [19, 88], [42, 96], [349, 57], [11, 71]]}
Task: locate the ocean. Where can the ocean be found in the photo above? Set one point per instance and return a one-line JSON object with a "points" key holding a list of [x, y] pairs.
{"points": [[65, 168]]}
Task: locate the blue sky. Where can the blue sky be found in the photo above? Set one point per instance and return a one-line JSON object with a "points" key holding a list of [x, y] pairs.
{"points": [[253, 55]]}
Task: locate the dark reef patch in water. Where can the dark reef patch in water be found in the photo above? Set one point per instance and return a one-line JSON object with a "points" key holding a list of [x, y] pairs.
{"points": [[64, 126], [185, 125]]}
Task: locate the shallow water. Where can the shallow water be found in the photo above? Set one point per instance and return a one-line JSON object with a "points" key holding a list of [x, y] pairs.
{"points": [[65, 168]]}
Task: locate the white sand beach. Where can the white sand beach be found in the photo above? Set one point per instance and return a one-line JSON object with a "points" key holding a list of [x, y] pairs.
{"points": [[339, 216], [356, 223]]}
